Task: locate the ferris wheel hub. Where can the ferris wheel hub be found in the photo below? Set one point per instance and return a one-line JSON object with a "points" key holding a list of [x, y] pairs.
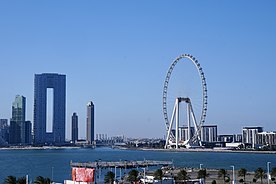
{"points": [[187, 100]]}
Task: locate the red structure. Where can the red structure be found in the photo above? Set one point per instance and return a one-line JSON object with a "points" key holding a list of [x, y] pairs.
{"points": [[83, 174]]}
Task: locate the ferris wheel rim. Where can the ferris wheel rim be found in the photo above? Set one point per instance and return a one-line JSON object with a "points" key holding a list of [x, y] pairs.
{"points": [[204, 91]]}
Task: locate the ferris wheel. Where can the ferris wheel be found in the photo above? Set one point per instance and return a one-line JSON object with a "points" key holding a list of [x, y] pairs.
{"points": [[188, 135]]}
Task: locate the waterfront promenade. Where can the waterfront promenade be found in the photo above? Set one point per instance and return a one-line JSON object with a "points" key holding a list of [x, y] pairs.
{"points": [[169, 171], [213, 175]]}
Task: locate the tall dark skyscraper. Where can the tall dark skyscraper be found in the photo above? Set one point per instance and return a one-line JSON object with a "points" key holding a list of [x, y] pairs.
{"points": [[90, 123], [17, 130], [57, 83], [4, 131], [28, 132], [74, 127]]}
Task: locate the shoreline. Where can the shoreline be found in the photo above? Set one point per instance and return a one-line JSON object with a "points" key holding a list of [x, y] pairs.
{"points": [[38, 148], [142, 149], [201, 150]]}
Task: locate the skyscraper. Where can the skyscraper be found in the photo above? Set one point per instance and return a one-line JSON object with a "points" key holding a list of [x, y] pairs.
{"points": [[28, 132], [90, 123], [4, 131], [17, 130], [74, 127], [57, 83]]}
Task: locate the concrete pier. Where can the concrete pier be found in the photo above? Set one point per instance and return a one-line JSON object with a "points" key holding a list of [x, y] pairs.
{"points": [[121, 164]]}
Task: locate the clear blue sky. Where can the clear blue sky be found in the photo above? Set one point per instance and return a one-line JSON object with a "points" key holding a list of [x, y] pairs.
{"points": [[117, 53]]}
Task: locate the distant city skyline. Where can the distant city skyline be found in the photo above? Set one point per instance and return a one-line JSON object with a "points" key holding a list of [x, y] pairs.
{"points": [[117, 54]]}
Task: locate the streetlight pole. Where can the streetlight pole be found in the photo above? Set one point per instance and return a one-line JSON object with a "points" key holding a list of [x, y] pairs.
{"points": [[144, 174], [200, 166], [120, 173], [200, 179], [268, 175], [100, 172], [115, 174], [52, 174], [234, 182]]}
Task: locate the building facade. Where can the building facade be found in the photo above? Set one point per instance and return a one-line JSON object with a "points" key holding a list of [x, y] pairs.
{"points": [[4, 132], [226, 138], [229, 138], [17, 129], [266, 138], [57, 83], [183, 131], [28, 132], [209, 133], [249, 135], [238, 137], [90, 123], [14, 133], [74, 127]]}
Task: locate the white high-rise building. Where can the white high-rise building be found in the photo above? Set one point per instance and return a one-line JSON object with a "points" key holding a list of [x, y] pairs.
{"points": [[249, 135], [184, 133], [266, 138], [209, 133]]}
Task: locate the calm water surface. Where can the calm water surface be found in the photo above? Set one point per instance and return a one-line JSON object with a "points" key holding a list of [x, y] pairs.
{"points": [[43, 162]]}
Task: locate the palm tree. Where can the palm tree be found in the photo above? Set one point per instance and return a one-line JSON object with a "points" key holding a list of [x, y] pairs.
{"points": [[158, 174], [10, 180], [259, 173], [42, 180], [13, 180], [133, 176], [242, 172], [109, 177], [21, 180], [222, 173], [273, 171], [182, 175], [202, 173]]}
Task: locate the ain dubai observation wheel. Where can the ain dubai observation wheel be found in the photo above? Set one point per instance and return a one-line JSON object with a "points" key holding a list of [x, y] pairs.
{"points": [[194, 118]]}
